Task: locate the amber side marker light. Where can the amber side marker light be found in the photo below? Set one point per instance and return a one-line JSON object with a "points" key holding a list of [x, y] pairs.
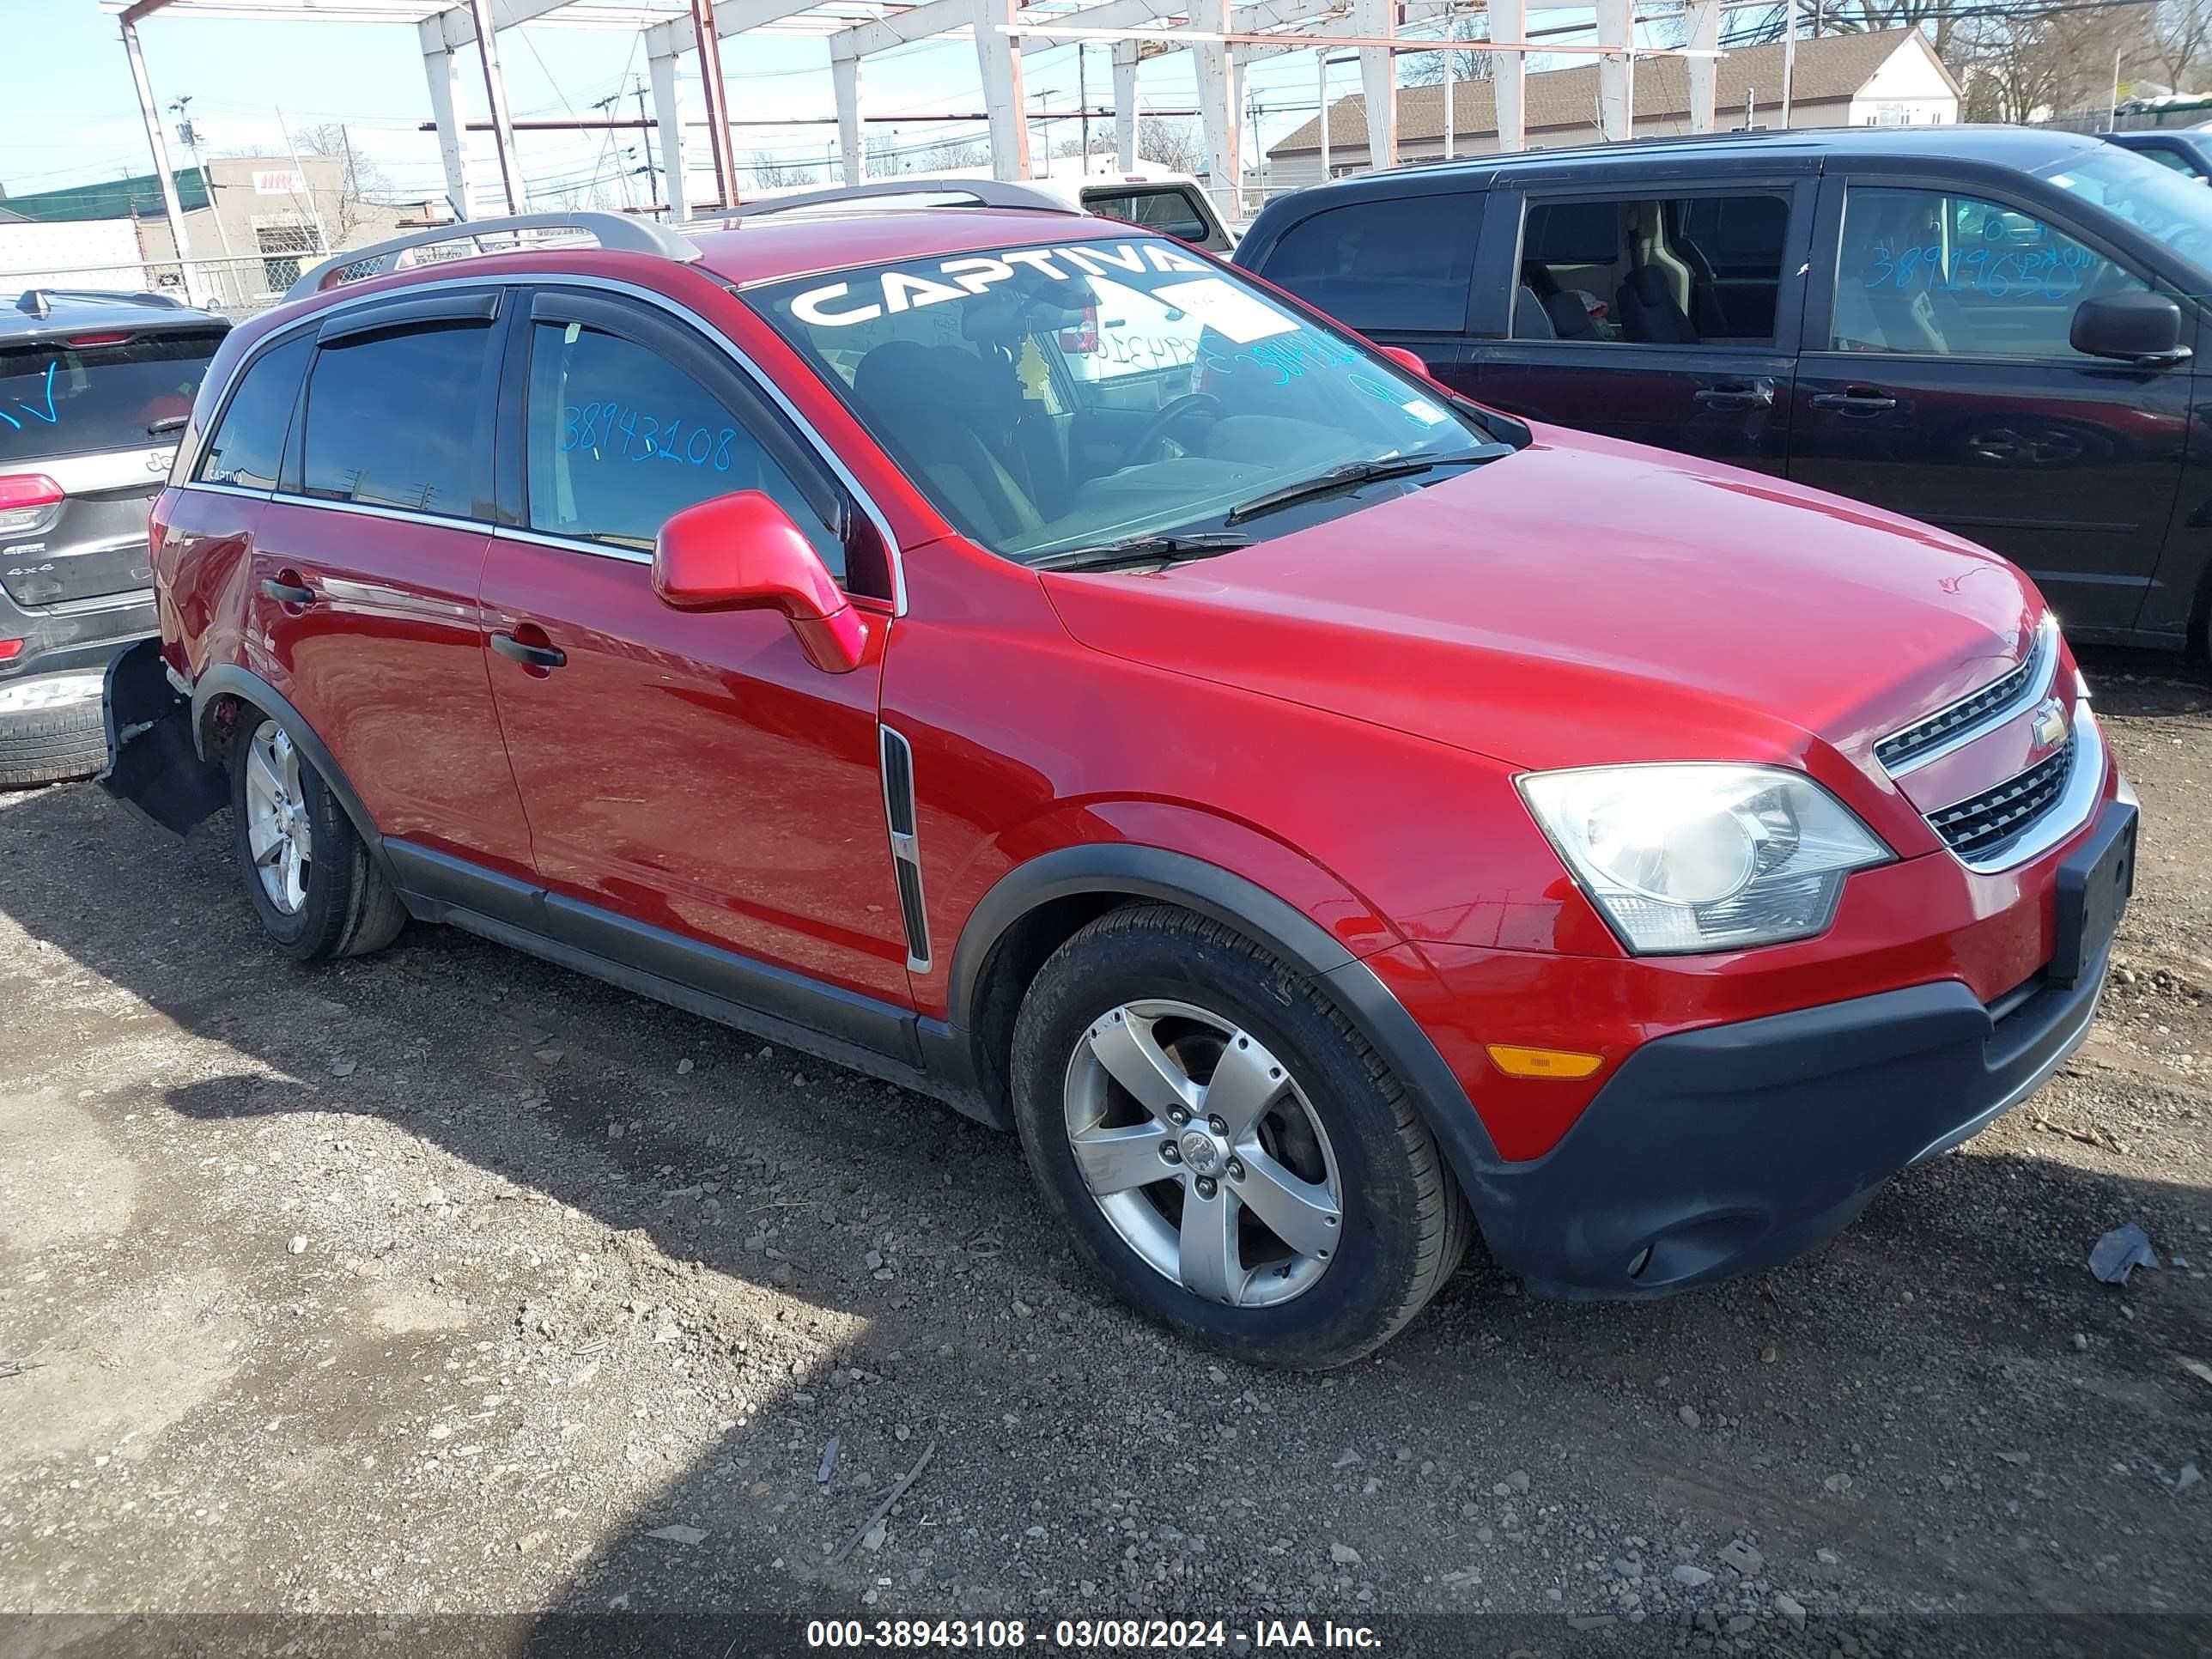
{"points": [[1543, 1062]]}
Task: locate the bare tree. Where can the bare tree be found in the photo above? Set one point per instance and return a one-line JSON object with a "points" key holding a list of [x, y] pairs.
{"points": [[950, 155], [770, 173], [1174, 145], [1428, 69], [2176, 40], [2029, 66], [360, 181]]}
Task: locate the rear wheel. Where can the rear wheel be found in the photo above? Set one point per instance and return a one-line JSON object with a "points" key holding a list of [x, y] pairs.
{"points": [[1229, 1152], [51, 730], [307, 871]]}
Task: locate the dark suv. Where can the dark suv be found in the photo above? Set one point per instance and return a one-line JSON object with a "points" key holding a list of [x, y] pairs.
{"points": [[93, 387], [1989, 328]]}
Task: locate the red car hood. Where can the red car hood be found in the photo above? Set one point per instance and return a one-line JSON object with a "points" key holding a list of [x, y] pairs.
{"points": [[1586, 601]]}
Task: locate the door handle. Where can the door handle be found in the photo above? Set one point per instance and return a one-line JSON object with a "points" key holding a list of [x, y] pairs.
{"points": [[287, 589], [1859, 400], [543, 658], [1738, 394]]}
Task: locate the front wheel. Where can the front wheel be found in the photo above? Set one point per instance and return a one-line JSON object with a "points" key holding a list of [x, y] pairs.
{"points": [[312, 884], [1230, 1153]]}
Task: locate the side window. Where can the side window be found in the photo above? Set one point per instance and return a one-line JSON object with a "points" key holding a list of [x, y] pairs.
{"points": [[1681, 270], [1938, 275], [403, 419], [2170, 158], [1390, 264], [1170, 211], [621, 440], [248, 445]]}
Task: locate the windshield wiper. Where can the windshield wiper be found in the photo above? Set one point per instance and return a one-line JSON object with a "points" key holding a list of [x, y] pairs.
{"points": [[1353, 474], [1143, 549]]}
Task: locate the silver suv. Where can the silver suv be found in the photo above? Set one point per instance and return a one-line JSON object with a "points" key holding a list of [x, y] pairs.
{"points": [[93, 388]]}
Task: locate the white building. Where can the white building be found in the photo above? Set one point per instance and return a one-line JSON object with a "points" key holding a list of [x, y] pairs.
{"points": [[1889, 78]]}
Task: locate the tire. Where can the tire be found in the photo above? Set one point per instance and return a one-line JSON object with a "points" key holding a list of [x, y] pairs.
{"points": [[1321, 1293], [338, 904], [50, 746]]}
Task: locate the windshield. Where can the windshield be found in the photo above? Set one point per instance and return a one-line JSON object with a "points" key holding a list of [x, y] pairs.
{"points": [[61, 398], [2169, 207], [1052, 397]]}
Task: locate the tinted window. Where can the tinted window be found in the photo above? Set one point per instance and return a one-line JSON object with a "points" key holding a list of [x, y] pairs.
{"points": [[1170, 211], [1392, 264], [1939, 275], [248, 445], [57, 399], [2169, 158], [403, 420], [1575, 232], [621, 440], [1683, 270]]}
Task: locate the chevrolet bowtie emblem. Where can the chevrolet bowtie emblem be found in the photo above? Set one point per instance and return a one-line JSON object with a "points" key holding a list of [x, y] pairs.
{"points": [[2051, 723]]}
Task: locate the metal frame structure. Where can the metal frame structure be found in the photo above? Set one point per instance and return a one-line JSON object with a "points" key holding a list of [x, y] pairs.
{"points": [[1224, 37]]}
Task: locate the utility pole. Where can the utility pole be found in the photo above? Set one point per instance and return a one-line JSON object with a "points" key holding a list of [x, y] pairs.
{"points": [[188, 135], [1083, 103], [652, 177]]}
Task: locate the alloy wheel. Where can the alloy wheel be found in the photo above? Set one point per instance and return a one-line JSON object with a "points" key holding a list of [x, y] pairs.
{"points": [[277, 831], [1204, 1152]]}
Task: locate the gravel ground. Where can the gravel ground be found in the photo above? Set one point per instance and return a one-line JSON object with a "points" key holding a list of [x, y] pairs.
{"points": [[449, 1283]]}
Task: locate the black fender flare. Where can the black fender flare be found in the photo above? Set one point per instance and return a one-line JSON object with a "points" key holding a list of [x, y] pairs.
{"points": [[227, 679], [1171, 878]]}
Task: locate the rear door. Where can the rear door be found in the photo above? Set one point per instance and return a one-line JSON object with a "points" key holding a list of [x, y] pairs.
{"points": [[1938, 382], [366, 561], [1656, 311], [79, 464]]}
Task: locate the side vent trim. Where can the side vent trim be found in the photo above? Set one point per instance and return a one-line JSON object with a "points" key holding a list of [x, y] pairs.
{"points": [[906, 850]]}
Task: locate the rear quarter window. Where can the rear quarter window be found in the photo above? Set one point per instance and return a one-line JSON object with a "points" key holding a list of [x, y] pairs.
{"points": [[1388, 265], [99, 391]]}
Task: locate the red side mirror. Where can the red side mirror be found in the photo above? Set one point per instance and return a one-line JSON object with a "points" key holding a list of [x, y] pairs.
{"points": [[742, 552], [1409, 360]]}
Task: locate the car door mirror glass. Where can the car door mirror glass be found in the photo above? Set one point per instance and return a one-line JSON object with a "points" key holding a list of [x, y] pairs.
{"points": [[743, 552], [2130, 326]]}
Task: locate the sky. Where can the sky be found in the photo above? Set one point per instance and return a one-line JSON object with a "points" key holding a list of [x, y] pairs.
{"points": [[82, 123]]}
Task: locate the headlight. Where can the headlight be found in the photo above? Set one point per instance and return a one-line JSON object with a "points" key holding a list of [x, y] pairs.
{"points": [[1699, 857]]}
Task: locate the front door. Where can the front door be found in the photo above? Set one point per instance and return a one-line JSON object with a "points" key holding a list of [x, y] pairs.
{"points": [[1938, 382], [1660, 315], [690, 771], [365, 567]]}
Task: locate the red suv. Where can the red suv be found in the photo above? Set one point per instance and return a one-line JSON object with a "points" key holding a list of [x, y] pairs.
{"points": [[1021, 658]]}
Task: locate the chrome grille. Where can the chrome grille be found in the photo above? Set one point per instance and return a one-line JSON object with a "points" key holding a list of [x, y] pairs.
{"points": [[1978, 826], [1935, 731]]}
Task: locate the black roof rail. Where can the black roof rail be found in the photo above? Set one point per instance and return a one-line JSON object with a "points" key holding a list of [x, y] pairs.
{"points": [[617, 231], [979, 193]]}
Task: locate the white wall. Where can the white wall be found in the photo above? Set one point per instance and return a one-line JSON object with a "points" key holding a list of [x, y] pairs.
{"points": [[1908, 90], [86, 253]]}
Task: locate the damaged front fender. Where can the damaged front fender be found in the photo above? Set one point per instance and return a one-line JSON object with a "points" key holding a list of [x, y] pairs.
{"points": [[153, 766]]}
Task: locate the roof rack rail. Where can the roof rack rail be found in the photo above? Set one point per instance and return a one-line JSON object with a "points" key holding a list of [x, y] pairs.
{"points": [[980, 192], [39, 301], [617, 231]]}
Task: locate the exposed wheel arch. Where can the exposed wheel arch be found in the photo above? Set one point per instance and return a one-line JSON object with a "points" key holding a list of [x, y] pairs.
{"points": [[1037, 906], [217, 696]]}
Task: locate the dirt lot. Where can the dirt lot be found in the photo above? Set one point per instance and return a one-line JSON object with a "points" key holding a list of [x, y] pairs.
{"points": [[445, 1282]]}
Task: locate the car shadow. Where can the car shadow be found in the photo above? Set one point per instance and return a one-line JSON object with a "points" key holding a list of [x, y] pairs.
{"points": [[1083, 1462]]}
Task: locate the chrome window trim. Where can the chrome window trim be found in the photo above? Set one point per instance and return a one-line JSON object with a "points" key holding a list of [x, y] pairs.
{"points": [[508, 532], [684, 314], [2076, 802], [2043, 651], [228, 489]]}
